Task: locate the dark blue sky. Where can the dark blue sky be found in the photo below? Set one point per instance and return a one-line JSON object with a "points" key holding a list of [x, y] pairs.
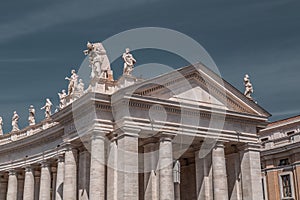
{"points": [[41, 41]]}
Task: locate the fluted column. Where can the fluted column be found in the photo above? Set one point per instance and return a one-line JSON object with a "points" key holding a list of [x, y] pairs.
{"points": [[166, 185], [28, 184], [12, 188], [219, 172], [70, 179], [60, 178], [97, 170], [3, 186], [45, 182]]}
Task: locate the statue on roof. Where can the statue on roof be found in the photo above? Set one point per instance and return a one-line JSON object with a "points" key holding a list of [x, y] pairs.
{"points": [[129, 62], [1, 126], [31, 117], [47, 108], [248, 87], [62, 99], [14, 122], [98, 61], [72, 82], [80, 88]]}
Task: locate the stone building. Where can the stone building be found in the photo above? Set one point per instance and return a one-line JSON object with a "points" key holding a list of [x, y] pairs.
{"points": [[280, 159], [187, 134]]}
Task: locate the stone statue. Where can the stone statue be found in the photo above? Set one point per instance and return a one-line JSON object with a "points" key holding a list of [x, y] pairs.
{"points": [[31, 117], [47, 108], [62, 99], [14, 122], [129, 62], [248, 87], [176, 172], [98, 61], [72, 82], [1, 126], [80, 88]]}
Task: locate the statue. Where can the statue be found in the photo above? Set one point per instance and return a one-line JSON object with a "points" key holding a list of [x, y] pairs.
{"points": [[31, 118], [1, 126], [176, 172], [248, 87], [80, 87], [47, 108], [14, 122], [62, 99], [129, 62], [72, 82], [98, 61]]}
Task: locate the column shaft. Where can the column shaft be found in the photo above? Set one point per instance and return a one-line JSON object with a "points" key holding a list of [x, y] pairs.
{"points": [[251, 175], [128, 178], [60, 178], [70, 179], [12, 188], [3, 186], [112, 172], [150, 172], [166, 186], [97, 170], [84, 174], [28, 184], [45, 182], [219, 173]]}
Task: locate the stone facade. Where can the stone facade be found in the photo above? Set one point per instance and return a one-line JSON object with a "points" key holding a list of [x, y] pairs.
{"points": [[280, 160], [119, 145]]}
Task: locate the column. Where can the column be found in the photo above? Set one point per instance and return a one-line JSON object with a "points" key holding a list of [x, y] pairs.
{"points": [[112, 172], [3, 186], [251, 173], [219, 172], [166, 186], [128, 178], [53, 185], [84, 174], [60, 178], [28, 184], [204, 176], [45, 182], [150, 171], [37, 179], [70, 179], [12, 188], [20, 186], [97, 170]]}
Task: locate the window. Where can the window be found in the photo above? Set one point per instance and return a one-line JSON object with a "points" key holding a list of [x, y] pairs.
{"points": [[286, 185], [284, 162]]}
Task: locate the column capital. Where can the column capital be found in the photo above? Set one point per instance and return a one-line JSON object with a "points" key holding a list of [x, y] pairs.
{"points": [[125, 131], [250, 147], [12, 172], [219, 144], [45, 164], [28, 168], [166, 136]]}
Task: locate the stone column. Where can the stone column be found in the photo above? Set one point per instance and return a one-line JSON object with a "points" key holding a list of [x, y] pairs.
{"points": [[45, 182], [3, 186], [60, 178], [12, 188], [28, 184], [37, 179], [54, 177], [251, 173], [97, 170], [84, 174], [166, 185], [70, 179], [204, 176], [112, 172], [150, 171], [220, 188], [128, 177]]}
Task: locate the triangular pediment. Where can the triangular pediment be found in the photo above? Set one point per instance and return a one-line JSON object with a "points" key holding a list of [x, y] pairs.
{"points": [[198, 85]]}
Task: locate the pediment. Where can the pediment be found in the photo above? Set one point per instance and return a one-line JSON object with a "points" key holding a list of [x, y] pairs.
{"points": [[199, 86]]}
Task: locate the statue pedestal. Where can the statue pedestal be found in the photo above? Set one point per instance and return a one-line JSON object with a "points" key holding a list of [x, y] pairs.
{"points": [[126, 80], [102, 86]]}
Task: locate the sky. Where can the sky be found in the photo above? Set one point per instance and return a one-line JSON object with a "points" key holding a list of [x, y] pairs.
{"points": [[42, 40]]}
